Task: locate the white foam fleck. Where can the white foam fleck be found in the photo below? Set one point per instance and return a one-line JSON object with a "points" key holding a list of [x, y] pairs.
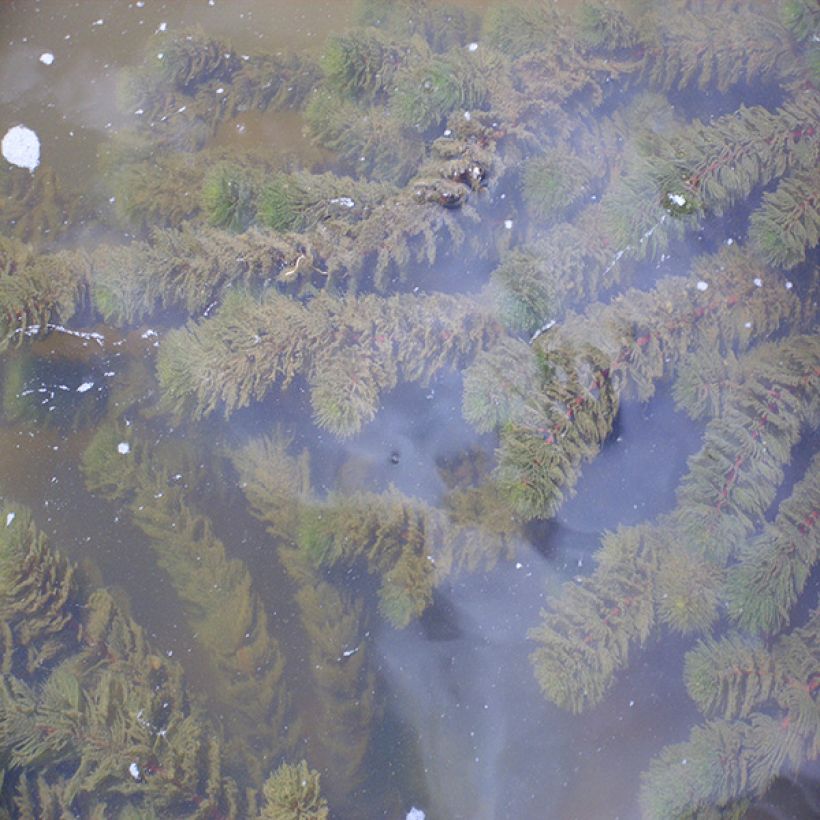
{"points": [[472, 47], [134, 771], [85, 386], [415, 814], [758, 282], [123, 448], [677, 199], [508, 223], [702, 285], [46, 58], [789, 285], [9, 518], [21, 147]]}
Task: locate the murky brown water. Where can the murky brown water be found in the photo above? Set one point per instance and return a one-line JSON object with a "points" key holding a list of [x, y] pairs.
{"points": [[445, 714]]}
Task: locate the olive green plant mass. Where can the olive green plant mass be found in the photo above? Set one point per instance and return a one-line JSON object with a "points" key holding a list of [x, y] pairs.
{"points": [[561, 212]]}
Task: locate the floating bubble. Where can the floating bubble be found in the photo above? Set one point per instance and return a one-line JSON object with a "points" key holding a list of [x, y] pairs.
{"points": [[21, 147]]}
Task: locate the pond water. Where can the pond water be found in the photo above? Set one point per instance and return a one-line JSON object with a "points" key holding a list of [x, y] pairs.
{"points": [[433, 384]]}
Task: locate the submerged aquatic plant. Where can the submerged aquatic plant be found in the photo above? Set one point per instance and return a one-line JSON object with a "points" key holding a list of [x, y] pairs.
{"points": [[567, 411], [787, 224], [229, 196], [92, 718], [441, 25], [36, 207], [362, 65], [439, 121], [553, 183], [292, 792], [299, 201], [224, 611], [426, 94], [368, 141], [348, 349]]}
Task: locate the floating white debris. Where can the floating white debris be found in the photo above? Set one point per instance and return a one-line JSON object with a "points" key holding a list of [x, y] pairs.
{"points": [[123, 448], [677, 199], [46, 58], [702, 285], [21, 147], [508, 223], [134, 771], [415, 814], [162, 27], [9, 518], [220, 90], [519, 565], [98, 22], [344, 201], [543, 329], [85, 386], [472, 47], [758, 282], [789, 285], [148, 334], [468, 116]]}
